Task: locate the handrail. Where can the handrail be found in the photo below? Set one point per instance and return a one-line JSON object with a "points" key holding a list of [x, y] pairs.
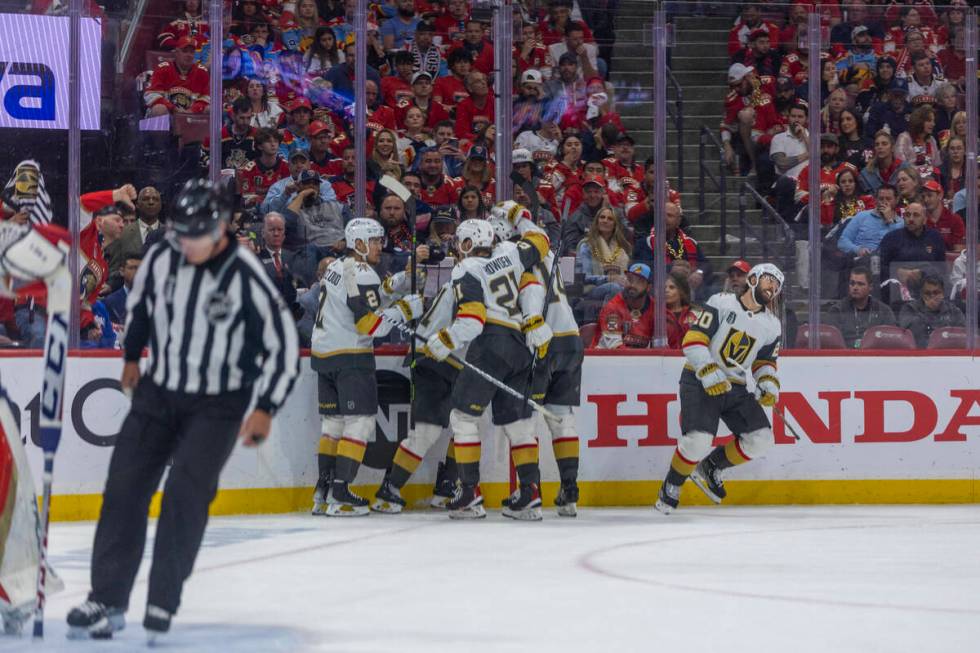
{"points": [[678, 114], [720, 182], [131, 29], [762, 231]]}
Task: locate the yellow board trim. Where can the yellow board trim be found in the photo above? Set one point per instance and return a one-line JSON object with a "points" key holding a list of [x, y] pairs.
{"points": [[257, 501]]}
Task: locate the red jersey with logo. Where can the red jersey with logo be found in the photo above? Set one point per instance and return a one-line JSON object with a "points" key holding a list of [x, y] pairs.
{"points": [[190, 92], [255, 179]]}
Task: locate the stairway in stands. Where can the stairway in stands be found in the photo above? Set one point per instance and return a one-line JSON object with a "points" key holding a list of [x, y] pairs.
{"points": [[699, 62]]}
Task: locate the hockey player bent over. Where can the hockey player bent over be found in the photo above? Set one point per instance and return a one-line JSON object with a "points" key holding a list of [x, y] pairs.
{"points": [[486, 284], [352, 314], [733, 334], [431, 404], [557, 378]]}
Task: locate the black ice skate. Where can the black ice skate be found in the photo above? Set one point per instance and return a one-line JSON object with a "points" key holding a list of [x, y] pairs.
{"points": [[708, 479], [388, 499], [156, 623], [567, 499], [526, 506], [341, 502], [443, 490], [94, 620], [320, 495], [467, 503], [669, 498]]}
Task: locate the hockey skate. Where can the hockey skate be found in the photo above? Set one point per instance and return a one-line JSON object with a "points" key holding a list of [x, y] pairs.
{"points": [[320, 496], [567, 499], [388, 499], [341, 502], [708, 479], [669, 498], [526, 506], [467, 503], [443, 490], [156, 623], [94, 620]]}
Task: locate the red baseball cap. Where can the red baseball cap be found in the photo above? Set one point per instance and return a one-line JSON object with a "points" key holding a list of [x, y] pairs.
{"points": [[186, 42], [299, 103], [317, 126], [934, 186], [740, 265], [598, 180]]}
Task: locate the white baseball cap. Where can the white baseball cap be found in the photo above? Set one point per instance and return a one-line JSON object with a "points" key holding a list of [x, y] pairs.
{"points": [[738, 71], [521, 155], [532, 76]]}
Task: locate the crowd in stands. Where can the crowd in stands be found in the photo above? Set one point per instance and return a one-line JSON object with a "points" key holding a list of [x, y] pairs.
{"points": [[892, 147]]}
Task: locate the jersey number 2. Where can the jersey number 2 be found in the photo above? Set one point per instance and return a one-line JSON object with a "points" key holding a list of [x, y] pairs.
{"points": [[504, 290]]}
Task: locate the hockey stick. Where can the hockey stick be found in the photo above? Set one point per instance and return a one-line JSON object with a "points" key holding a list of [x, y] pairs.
{"points": [[500, 385], [399, 189], [776, 409], [52, 395], [518, 180]]}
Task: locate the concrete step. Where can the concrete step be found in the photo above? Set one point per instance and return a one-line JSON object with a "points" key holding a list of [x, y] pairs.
{"points": [[711, 22], [705, 62]]}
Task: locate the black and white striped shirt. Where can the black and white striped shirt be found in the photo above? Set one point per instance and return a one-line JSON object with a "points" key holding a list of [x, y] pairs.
{"points": [[212, 328]]}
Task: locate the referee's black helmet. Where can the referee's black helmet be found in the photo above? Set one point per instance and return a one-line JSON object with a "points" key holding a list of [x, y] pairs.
{"points": [[199, 208]]}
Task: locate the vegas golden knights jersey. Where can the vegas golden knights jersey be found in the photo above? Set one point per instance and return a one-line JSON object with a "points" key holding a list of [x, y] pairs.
{"points": [[737, 339]]}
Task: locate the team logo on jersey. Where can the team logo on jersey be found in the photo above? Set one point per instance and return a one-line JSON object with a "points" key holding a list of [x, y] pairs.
{"points": [[217, 307], [735, 350]]}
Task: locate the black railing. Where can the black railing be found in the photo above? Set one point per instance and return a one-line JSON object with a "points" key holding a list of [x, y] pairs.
{"points": [[720, 182], [676, 111], [770, 218]]}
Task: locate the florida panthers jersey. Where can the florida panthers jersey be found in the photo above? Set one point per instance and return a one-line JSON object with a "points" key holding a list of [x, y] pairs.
{"points": [[349, 316], [734, 337]]}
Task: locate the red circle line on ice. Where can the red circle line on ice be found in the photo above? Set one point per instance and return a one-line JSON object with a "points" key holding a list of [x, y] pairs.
{"points": [[589, 562]]}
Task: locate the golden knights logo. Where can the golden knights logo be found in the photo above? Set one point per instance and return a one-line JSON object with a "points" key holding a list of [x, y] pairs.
{"points": [[736, 347]]}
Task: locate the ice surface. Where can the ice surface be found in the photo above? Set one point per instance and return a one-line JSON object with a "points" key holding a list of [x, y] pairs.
{"points": [[731, 579]]}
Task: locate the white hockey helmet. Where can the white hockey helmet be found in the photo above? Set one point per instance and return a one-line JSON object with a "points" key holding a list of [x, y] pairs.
{"points": [[363, 229], [503, 229], [762, 269], [478, 232], [510, 211]]}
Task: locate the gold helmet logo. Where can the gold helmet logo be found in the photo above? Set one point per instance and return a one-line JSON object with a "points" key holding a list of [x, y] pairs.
{"points": [[26, 182]]}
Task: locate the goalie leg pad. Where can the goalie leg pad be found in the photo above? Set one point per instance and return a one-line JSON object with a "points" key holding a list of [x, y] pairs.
{"points": [[32, 257], [755, 443]]}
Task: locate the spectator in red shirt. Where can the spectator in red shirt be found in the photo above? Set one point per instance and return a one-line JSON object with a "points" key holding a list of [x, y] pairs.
{"points": [[438, 188], [451, 25], [626, 321], [379, 116], [750, 117], [398, 87], [680, 316], [531, 52], [559, 18], [421, 98], [190, 23], [257, 176], [751, 19], [343, 183], [948, 224], [477, 45], [179, 86], [480, 104], [449, 90]]}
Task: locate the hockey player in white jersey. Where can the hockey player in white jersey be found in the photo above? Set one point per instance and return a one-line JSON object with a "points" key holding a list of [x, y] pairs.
{"points": [[486, 285], [355, 307], [735, 335], [431, 403], [557, 378]]}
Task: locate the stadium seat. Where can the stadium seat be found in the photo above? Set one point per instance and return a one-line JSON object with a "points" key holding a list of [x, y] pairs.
{"points": [[191, 127], [887, 337], [947, 338], [830, 337], [587, 332]]}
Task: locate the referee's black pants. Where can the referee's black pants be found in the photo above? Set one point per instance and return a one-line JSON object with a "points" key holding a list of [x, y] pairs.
{"points": [[198, 432]]}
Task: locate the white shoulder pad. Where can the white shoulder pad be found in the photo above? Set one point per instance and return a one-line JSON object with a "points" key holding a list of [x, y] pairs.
{"points": [[472, 266], [366, 276]]}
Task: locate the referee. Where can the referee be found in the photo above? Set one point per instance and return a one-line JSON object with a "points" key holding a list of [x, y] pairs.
{"points": [[220, 339]]}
